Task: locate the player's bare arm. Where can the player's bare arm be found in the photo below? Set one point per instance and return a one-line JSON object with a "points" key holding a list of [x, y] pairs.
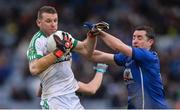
{"points": [[115, 43], [39, 65], [87, 46], [102, 57], [91, 87]]}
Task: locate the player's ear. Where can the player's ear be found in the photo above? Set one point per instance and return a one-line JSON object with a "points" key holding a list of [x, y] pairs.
{"points": [[151, 42], [38, 22]]}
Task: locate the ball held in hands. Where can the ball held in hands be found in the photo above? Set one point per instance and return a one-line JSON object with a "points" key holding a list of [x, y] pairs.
{"points": [[60, 41]]}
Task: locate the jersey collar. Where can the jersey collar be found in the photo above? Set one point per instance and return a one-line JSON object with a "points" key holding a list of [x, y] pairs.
{"points": [[42, 33]]}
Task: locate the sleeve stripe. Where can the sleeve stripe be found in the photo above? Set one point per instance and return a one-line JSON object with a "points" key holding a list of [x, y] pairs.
{"points": [[75, 44], [34, 57]]}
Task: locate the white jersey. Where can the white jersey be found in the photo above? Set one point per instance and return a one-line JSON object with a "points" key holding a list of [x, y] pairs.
{"points": [[58, 79]]}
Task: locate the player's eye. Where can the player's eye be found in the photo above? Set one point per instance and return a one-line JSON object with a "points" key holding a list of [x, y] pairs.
{"points": [[140, 37], [48, 20], [55, 20]]}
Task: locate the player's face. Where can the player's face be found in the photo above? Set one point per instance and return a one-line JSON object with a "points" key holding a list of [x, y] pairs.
{"points": [[48, 23], [140, 40]]}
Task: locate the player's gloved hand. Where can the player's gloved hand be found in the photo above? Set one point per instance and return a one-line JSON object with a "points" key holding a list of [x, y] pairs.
{"points": [[102, 26], [63, 46], [96, 28], [101, 68], [67, 41]]}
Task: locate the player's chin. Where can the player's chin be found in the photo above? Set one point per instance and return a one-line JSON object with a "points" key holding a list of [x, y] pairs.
{"points": [[51, 31]]}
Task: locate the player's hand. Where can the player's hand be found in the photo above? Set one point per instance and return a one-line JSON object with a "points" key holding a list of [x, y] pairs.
{"points": [[67, 41], [96, 28], [102, 26], [63, 46], [101, 68]]}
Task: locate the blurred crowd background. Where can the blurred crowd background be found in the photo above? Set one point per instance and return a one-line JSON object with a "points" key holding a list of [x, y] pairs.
{"points": [[18, 24]]}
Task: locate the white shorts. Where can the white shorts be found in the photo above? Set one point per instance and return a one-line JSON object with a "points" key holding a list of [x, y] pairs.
{"points": [[68, 101]]}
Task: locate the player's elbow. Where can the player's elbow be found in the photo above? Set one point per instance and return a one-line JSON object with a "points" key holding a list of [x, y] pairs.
{"points": [[34, 70], [92, 92]]}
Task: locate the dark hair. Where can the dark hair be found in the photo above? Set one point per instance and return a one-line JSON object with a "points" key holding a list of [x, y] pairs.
{"points": [[149, 31], [46, 9]]}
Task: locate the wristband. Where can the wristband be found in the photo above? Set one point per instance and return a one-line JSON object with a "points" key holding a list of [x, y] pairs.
{"points": [[100, 70], [58, 53]]}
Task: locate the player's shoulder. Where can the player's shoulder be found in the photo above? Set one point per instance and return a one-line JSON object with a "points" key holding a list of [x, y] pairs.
{"points": [[142, 54], [37, 37], [142, 50], [39, 34]]}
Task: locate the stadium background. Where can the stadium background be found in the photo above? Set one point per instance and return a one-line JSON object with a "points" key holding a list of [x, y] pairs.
{"points": [[17, 25]]}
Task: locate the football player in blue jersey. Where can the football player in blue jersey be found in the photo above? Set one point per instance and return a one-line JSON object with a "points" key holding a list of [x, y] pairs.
{"points": [[142, 67]]}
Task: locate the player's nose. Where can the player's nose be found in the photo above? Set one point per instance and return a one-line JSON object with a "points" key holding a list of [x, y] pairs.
{"points": [[53, 24]]}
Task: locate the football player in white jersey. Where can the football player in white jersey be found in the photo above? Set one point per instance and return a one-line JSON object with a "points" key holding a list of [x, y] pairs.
{"points": [[54, 68]]}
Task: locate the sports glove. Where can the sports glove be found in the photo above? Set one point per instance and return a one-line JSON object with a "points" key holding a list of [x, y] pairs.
{"points": [[100, 67], [102, 26], [96, 28], [63, 46], [67, 41]]}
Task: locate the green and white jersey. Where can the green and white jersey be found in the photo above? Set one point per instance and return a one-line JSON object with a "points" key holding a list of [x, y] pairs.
{"points": [[58, 79], [37, 47]]}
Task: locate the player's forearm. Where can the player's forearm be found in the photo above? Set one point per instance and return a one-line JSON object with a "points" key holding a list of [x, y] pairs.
{"points": [[102, 57], [115, 43], [92, 86], [90, 45], [39, 65], [96, 82]]}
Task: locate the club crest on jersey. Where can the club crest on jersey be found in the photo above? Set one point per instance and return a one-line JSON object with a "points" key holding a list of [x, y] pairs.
{"points": [[127, 74], [128, 78]]}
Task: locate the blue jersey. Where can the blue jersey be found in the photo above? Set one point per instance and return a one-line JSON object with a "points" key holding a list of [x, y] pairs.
{"points": [[143, 79]]}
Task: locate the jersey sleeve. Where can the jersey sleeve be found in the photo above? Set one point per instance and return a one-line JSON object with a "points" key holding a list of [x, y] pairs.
{"points": [[35, 50], [120, 59], [141, 54]]}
